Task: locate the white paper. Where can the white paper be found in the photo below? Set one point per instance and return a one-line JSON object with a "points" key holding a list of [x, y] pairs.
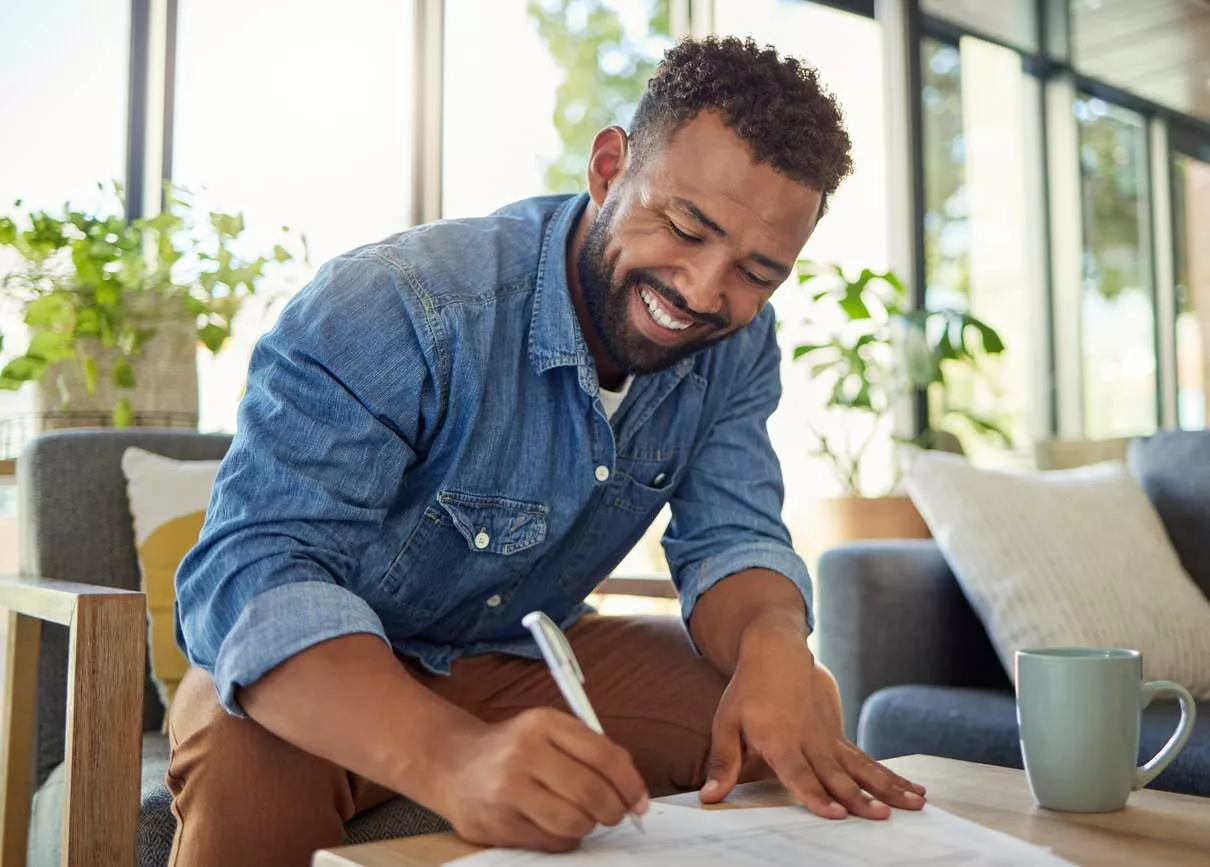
{"points": [[784, 836]]}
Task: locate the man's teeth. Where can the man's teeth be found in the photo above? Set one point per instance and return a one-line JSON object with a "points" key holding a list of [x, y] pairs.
{"points": [[658, 314]]}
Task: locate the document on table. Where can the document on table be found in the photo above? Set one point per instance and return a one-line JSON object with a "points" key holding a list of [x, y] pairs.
{"points": [[785, 837]]}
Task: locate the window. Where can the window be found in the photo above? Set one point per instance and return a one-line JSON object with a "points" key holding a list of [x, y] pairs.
{"points": [[1012, 22], [299, 119], [1155, 49], [1117, 315], [983, 227], [63, 100], [560, 70], [1191, 208]]}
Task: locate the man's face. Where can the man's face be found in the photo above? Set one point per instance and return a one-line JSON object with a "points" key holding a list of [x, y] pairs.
{"points": [[689, 246]]}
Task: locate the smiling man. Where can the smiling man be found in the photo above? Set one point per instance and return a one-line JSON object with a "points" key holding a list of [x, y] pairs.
{"points": [[476, 419]]}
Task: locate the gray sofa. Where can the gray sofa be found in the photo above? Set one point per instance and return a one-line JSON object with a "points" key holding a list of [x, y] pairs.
{"points": [[916, 670], [76, 526]]}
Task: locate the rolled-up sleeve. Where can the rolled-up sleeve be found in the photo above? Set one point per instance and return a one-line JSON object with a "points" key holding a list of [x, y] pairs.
{"points": [[338, 392], [726, 510]]}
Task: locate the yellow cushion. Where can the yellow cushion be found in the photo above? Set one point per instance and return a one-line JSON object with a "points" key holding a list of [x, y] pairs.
{"points": [[168, 500]]}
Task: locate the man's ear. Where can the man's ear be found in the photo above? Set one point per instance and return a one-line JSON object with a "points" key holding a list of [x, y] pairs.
{"points": [[607, 162]]}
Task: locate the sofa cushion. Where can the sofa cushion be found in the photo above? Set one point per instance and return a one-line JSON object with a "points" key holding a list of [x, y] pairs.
{"points": [[1071, 558], [398, 817], [978, 725], [1173, 468]]}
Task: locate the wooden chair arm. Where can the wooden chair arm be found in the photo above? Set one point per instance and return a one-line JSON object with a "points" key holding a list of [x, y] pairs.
{"points": [[103, 748]]}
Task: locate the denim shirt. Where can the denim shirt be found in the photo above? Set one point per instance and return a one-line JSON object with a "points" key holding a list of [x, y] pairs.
{"points": [[422, 455]]}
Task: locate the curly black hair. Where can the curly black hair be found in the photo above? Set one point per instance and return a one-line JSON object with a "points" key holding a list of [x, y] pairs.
{"points": [[776, 105]]}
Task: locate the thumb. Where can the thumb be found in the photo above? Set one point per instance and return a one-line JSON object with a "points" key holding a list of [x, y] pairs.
{"points": [[726, 756]]}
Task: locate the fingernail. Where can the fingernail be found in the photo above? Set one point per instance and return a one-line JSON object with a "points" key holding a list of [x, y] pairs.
{"points": [[835, 806], [874, 802], [642, 806], [710, 788], [912, 796]]}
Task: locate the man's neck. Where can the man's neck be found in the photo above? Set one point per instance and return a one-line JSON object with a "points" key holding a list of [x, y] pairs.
{"points": [[609, 375]]}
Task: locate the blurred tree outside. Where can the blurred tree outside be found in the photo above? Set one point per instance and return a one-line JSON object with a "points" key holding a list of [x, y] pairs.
{"points": [[607, 49]]}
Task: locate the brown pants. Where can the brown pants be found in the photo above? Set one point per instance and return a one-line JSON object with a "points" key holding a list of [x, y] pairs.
{"points": [[244, 796]]}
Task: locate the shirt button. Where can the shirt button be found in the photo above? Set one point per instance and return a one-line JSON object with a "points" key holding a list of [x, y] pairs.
{"points": [[494, 601], [658, 481], [482, 540], [602, 473]]}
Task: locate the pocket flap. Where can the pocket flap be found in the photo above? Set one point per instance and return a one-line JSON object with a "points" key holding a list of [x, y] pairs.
{"points": [[495, 525]]}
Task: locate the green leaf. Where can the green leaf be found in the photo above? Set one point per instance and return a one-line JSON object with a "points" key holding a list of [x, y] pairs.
{"points": [[122, 374], [48, 311], [214, 336], [803, 349], [51, 346], [90, 375], [23, 369], [88, 322], [123, 413], [854, 307], [992, 344], [281, 254], [227, 225]]}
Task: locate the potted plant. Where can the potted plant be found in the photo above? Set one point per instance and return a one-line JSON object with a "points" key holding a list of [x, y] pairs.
{"points": [[872, 355], [115, 308]]}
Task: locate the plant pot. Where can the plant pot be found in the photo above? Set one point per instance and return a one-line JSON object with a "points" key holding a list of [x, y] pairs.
{"points": [[838, 520], [165, 392]]}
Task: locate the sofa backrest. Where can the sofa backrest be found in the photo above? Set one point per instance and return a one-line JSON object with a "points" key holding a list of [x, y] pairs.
{"points": [[75, 525], [1173, 468]]}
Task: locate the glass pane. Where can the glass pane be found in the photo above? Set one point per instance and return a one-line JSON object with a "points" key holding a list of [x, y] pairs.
{"points": [[982, 235], [561, 70], [847, 50], [1158, 49], [63, 108], [1009, 21], [299, 119], [1191, 207], [1117, 317]]}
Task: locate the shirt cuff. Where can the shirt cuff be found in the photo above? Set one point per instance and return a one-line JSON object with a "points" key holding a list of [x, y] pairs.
{"points": [[281, 623], [701, 576]]}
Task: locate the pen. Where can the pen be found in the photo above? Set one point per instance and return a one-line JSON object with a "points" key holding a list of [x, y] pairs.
{"points": [[565, 669]]}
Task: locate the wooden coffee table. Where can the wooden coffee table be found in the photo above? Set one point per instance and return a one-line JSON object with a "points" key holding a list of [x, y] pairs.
{"points": [[1155, 828]]}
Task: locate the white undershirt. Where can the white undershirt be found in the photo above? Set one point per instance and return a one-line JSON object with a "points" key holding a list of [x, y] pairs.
{"points": [[611, 400]]}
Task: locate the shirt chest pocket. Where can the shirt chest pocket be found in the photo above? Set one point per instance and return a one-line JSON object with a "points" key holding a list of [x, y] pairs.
{"points": [[463, 544]]}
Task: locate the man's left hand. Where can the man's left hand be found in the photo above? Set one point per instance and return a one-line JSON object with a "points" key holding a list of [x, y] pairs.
{"points": [[783, 708]]}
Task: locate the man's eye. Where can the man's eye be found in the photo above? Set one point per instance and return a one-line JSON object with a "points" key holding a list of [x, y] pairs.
{"points": [[757, 281], [684, 236]]}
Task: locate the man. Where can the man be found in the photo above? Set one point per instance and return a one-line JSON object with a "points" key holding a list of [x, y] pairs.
{"points": [[477, 419]]}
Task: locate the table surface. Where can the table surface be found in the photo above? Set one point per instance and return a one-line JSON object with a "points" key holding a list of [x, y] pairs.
{"points": [[1155, 828]]}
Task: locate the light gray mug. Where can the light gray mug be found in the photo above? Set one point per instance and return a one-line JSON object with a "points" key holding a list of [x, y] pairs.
{"points": [[1079, 712]]}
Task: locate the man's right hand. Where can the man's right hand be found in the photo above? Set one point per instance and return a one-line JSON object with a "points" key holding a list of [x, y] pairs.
{"points": [[541, 780]]}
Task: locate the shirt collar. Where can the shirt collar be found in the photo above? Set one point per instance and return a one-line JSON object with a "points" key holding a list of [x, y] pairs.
{"points": [[555, 337]]}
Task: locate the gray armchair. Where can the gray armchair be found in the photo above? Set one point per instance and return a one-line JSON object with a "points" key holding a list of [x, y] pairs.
{"points": [[916, 669], [107, 803]]}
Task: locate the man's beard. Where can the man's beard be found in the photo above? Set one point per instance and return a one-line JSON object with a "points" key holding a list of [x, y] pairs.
{"points": [[608, 307]]}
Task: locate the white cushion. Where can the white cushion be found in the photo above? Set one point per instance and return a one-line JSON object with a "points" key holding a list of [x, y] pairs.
{"points": [[1073, 557]]}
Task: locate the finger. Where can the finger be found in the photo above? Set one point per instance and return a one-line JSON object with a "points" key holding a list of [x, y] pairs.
{"points": [[574, 781], [522, 833], [795, 773], [554, 815], [726, 756], [843, 788], [605, 758], [881, 782]]}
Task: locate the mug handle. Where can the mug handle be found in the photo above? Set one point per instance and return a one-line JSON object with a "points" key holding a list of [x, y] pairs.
{"points": [[1148, 772]]}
